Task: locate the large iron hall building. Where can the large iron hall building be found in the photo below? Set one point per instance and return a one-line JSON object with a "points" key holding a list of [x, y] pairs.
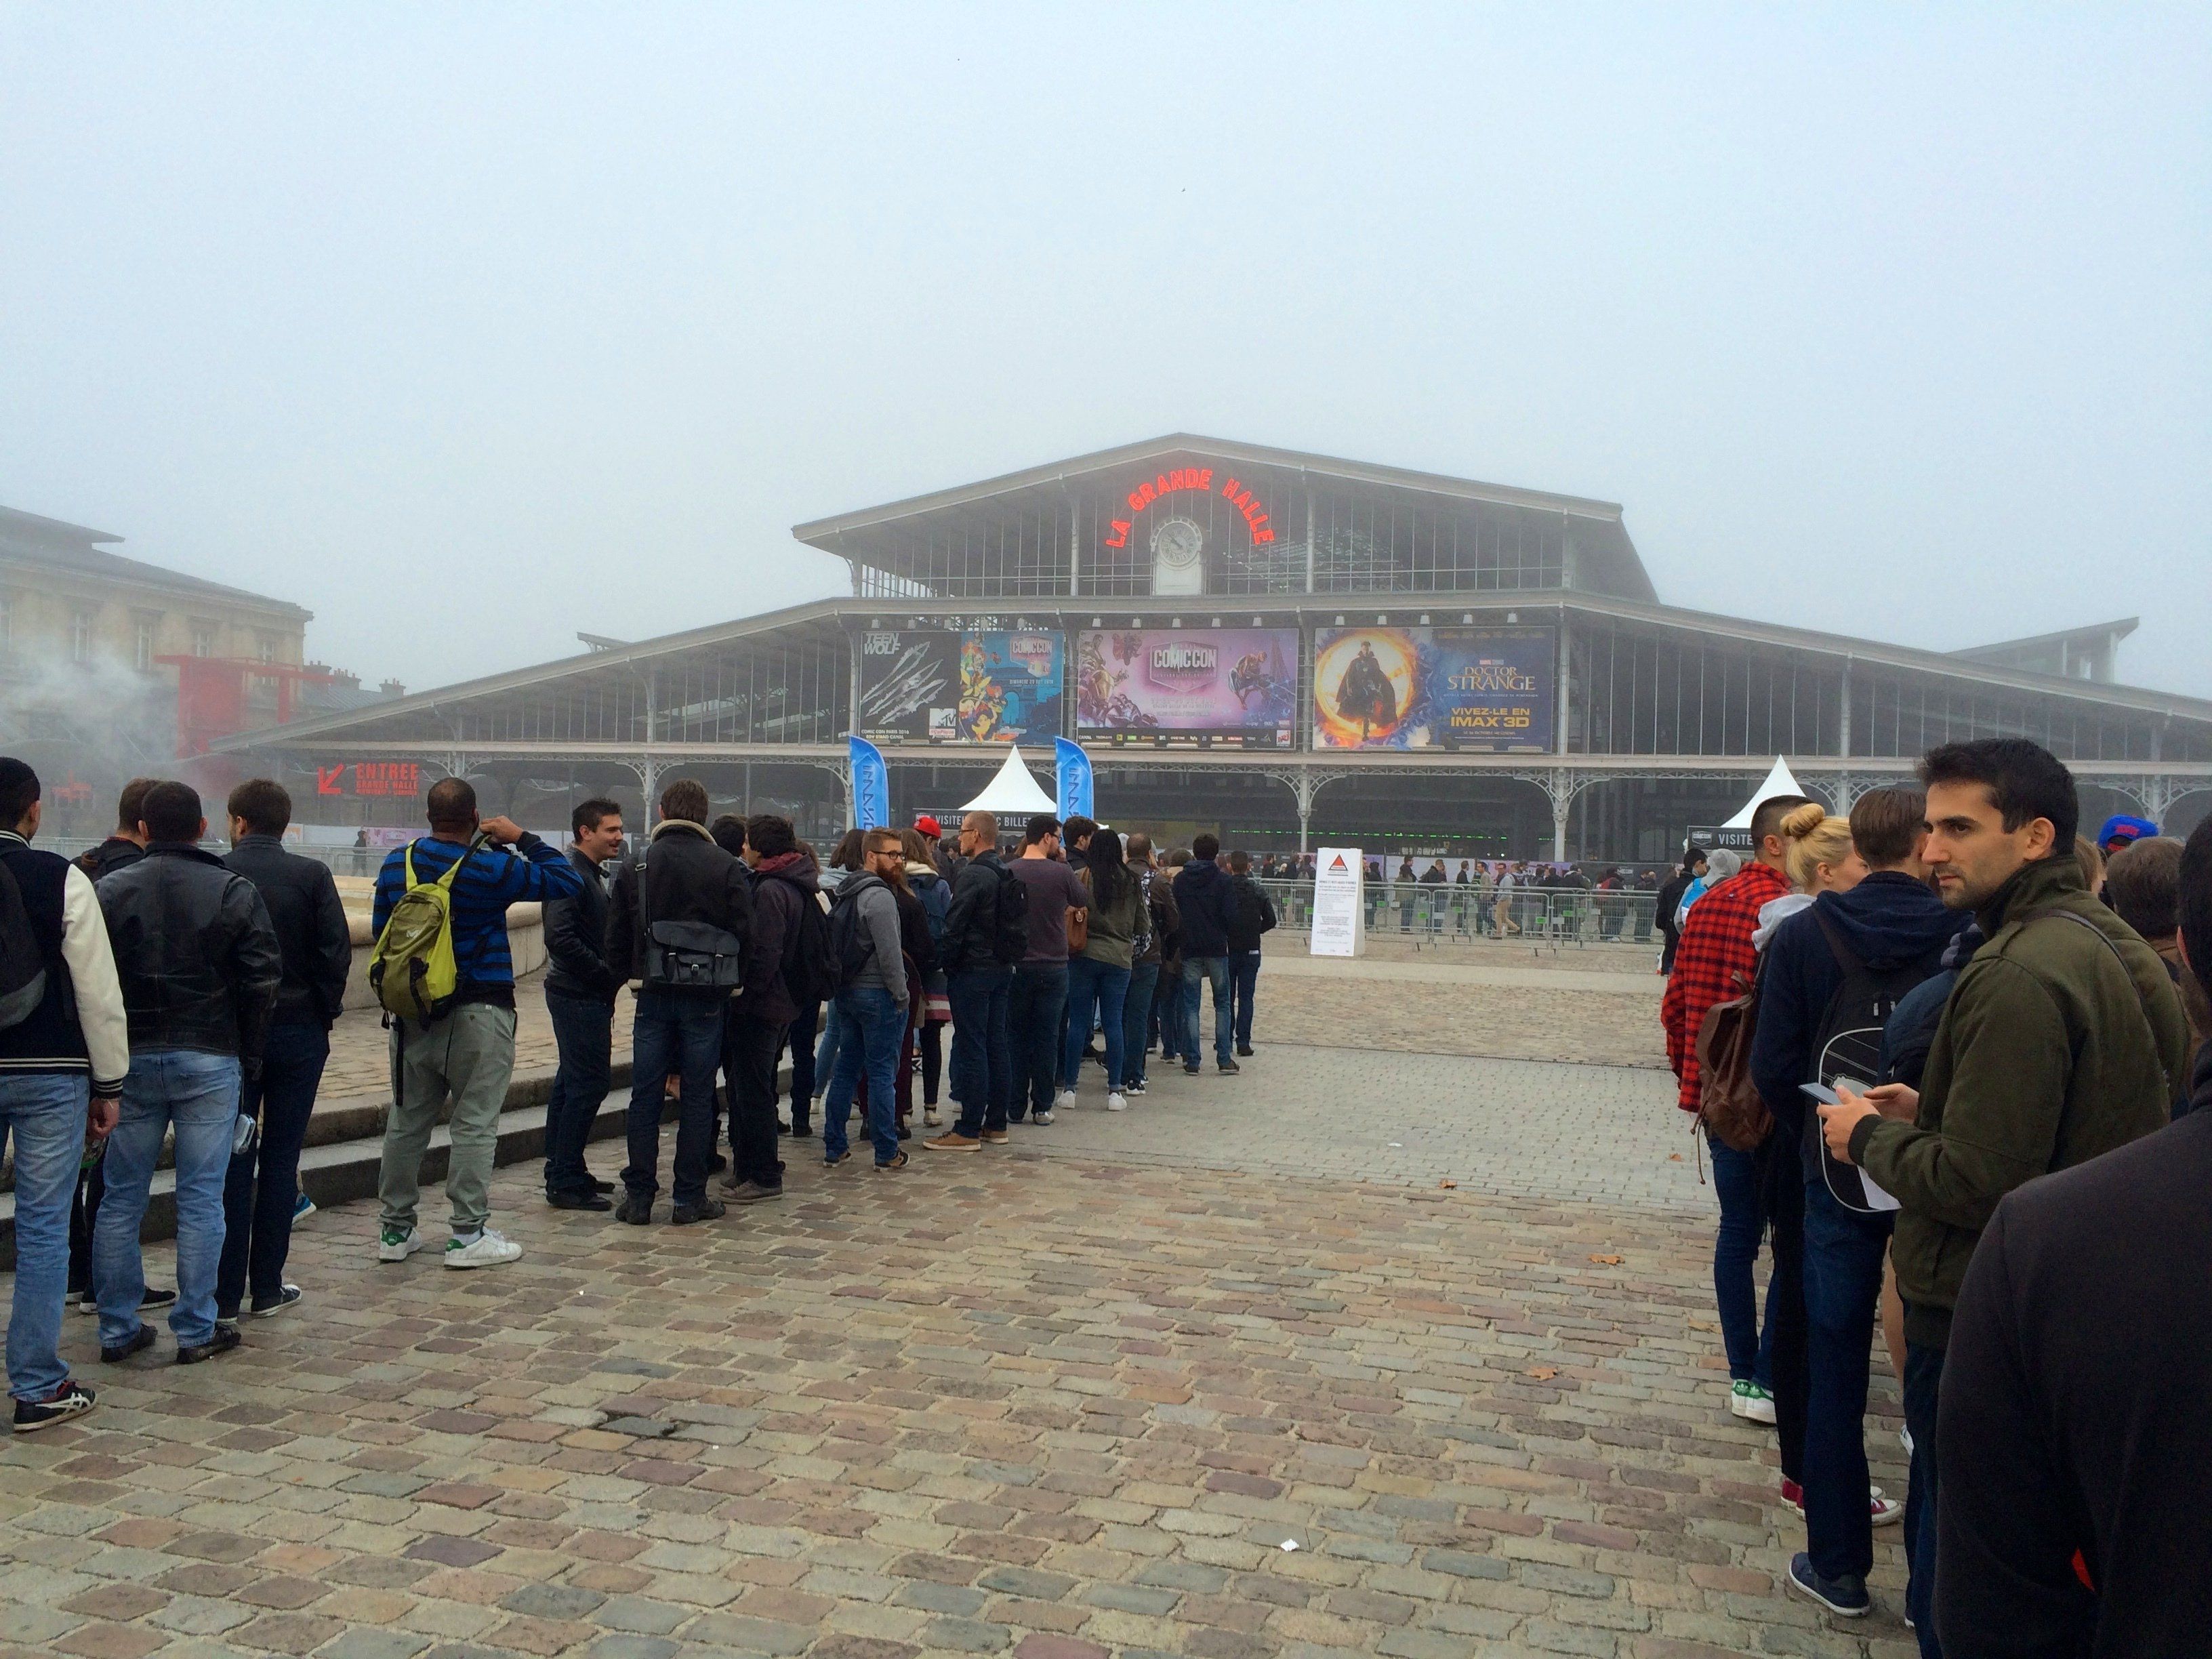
{"points": [[1284, 647]]}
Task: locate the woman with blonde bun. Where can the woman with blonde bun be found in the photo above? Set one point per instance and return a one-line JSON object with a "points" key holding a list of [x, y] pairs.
{"points": [[1864, 930]]}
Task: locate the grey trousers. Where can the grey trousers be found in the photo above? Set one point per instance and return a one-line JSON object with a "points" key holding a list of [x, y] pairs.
{"points": [[467, 1057]]}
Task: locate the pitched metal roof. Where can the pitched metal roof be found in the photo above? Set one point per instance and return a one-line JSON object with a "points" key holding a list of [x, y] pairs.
{"points": [[823, 620], [847, 534]]}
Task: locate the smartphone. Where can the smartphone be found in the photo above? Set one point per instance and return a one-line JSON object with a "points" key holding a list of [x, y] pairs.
{"points": [[1821, 1092]]}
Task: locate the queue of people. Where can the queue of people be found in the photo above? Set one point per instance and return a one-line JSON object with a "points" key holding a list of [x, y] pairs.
{"points": [[156, 991], [1935, 1072]]}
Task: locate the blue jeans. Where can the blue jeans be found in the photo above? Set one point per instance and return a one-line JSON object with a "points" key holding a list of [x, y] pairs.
{"points": [[1137, 1018], [866, 1024], [1195, 970], [1843, 1285], [198, 1093], [1924, 1381], [1735, 1254], [261, 1188], [1243, 978], [801, 1039], [44, 1112], [1034, 1010], [825, 1052], [1095, 987], [679, 1032], [583, 1036], [982, 1060]]}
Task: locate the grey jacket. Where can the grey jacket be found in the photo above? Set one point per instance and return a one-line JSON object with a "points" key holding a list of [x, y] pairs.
{"points": [[880, 920]]}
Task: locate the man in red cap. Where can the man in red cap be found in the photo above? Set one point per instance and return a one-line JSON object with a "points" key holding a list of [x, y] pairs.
{"points": [[928, 828]]}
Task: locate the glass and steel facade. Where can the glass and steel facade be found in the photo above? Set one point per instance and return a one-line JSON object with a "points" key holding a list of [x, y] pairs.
{"points": [[1652, 718]]}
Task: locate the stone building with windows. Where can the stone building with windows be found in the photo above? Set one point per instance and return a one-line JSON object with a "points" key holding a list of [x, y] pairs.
{"points": [[1287, 649], [111, 667]]}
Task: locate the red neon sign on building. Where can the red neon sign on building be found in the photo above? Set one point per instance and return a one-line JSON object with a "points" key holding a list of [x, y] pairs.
{"points": [[1193, 477]]}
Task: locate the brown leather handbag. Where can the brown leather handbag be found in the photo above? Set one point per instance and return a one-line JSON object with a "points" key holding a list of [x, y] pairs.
{"points": [[1728, 1102]]}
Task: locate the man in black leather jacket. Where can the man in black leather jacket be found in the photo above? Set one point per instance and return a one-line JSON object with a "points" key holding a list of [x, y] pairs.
{"points": [[198, 961], [682, 877], [580, 996], [316, 943]]}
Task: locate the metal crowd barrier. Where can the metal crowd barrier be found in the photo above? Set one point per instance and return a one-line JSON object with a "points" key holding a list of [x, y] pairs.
{"points": [[342, 861], [1434, 913]]}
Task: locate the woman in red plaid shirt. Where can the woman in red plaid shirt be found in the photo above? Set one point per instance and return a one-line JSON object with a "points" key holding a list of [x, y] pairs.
{"points": [[1715, 961]]}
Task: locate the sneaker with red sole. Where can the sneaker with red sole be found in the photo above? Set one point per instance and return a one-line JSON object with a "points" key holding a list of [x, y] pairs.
{"points": [[1883, 1511]]}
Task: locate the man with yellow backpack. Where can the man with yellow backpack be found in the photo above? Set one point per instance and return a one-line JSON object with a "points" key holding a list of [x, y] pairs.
{"points": [[445, 974]]}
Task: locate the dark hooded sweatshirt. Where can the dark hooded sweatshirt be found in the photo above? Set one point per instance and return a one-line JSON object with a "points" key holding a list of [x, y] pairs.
{"points": [[1891, 920]]}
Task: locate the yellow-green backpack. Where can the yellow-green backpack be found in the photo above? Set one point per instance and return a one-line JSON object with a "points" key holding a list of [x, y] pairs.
{"points": [[412, 969]]}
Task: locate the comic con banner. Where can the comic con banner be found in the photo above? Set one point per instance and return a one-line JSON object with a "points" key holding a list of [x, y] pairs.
{"points": [[1484, 690], [993, 686], [1196, 688]]}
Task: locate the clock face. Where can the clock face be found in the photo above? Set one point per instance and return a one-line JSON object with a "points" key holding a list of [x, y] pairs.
{"points": [[1177, 542]]}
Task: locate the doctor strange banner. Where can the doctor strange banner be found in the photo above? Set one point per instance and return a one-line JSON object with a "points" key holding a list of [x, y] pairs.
{"points": [[1486, 690]]}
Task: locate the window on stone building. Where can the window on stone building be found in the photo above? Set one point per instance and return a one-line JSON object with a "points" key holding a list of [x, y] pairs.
{"points": [[202, 639], [81, 636], [143, 642]]}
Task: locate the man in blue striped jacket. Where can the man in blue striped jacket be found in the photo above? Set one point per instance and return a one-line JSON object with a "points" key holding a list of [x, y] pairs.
{"points": [[468, 1055]]}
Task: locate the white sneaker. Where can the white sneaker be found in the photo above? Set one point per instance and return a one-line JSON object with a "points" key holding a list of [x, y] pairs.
{"points": [[1064, 1101], [487, 1249], [1043, 1120], [393, 1245], [1117, 1101], [930, 1120]]}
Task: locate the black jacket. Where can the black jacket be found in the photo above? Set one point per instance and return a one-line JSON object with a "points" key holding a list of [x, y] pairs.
{"points": [[780, 886], [312, 934], [2077, 1413], [973, 917], [112, 854], [195, 951], [1251, 912], [577, 938], [687, 878], [1202, 894]]}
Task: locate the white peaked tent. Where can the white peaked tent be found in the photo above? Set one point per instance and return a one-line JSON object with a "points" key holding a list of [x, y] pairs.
{"points": [[1779, 782], [1014, 792]]}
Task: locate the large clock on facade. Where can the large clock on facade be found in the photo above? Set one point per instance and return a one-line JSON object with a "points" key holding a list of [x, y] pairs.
{"points": [[1178, 562]]}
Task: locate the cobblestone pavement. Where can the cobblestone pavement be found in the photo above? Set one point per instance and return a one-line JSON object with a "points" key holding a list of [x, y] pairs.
{"points": [[1063, 1400], [1607, 1134]]}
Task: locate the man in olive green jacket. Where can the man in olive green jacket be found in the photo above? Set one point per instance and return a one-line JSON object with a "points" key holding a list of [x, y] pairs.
{"points": [[2061, 1039]]}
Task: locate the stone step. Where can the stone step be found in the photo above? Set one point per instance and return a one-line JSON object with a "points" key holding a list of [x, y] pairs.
{"points": [[336, 1169]]}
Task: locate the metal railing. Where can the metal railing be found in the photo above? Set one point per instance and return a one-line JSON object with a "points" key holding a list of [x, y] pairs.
{"points": [[1434, 913]]}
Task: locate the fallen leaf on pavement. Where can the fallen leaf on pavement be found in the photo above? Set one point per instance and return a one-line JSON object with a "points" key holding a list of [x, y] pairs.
{"points": [[1447, 1185], [1673, 1157], [1543, 1373], [1607, 1261]]}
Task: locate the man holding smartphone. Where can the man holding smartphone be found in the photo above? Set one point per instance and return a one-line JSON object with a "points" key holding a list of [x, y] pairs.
{"points": [[2063, 1038]]}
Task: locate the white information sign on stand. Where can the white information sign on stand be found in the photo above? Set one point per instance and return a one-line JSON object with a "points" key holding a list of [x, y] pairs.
{"points": [[1339, 916]]}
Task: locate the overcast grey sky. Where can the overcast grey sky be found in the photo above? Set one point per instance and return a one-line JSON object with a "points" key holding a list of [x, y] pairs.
{"points": [[1893, 321]]}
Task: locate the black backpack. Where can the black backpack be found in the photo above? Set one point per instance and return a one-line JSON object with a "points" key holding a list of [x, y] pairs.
{"points": [[1848, 1050], [1010, 921], [850, 945], [22, 964], [1252, 915], [810, 960]]}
